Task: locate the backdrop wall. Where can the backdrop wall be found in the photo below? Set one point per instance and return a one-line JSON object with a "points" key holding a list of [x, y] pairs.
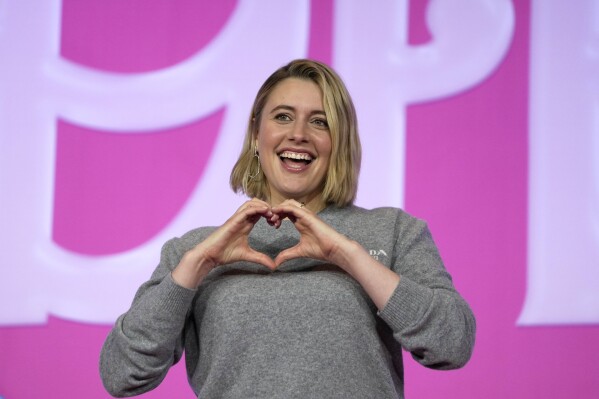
{"points": [[120, 122]]}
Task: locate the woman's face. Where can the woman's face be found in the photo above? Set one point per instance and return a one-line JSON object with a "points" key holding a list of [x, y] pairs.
{"points": [[294, 142]]}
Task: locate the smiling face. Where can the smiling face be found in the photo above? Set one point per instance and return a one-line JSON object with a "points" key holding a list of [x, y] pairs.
{"points": [[294, 142]]}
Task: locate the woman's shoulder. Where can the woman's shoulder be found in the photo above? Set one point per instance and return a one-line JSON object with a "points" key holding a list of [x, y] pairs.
{"points": [[198, 234], [381, 219], [358, 212], [190, 239]]}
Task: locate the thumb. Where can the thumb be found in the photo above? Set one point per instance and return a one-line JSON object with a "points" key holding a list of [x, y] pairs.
{"points": [[263, 259], [288, 254]]}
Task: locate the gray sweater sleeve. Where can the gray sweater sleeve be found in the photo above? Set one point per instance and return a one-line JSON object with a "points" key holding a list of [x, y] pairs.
{"points": [[426, 314], [148, 339]]}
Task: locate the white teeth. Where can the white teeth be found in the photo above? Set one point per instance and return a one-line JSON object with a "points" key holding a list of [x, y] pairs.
{"points": [[296, 155]]}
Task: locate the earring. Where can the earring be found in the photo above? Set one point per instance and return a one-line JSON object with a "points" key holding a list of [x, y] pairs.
{"points": [[257, 156]]}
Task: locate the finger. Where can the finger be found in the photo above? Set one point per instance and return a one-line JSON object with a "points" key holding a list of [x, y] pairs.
{"points": [[253, 208], [254, 203], [289, 209], [263, 259], [293, 202], [273, 219], [253, 212], [288, 254]]}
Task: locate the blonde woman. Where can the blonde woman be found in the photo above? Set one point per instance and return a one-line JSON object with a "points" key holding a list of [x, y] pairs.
{"points": [[284, 300]]}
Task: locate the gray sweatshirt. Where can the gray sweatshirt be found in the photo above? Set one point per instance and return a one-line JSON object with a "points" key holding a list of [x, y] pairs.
{"points": [[306, 330]]}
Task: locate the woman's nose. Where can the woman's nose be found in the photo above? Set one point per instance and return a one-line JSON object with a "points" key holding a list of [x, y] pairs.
{"points": [[299, 131]]}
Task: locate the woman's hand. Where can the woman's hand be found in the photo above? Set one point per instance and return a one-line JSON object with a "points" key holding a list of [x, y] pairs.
{"points": [[228, 244], [317, 239], [320, 241]]}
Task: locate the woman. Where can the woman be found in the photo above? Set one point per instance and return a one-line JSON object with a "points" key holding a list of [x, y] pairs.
{"points": [[299, 293]]}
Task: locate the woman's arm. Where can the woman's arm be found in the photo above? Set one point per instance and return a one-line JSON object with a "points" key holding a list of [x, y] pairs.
{"points": [[148, 339], [427, 315], [415, 297]]}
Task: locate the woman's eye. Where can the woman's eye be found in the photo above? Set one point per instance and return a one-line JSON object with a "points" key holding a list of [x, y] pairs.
{"points": [[321, 123], [282, 117]]}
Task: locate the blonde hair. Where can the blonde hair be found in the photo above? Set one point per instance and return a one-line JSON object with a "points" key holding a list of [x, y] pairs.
{"points": [[341, 181]]}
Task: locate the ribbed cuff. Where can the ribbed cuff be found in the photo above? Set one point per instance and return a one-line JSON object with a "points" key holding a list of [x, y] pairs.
{"points": [[175, 298], [407, 305]]}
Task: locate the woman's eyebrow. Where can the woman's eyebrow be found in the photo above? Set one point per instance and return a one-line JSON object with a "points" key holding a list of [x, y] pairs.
{"points": [[286, 107]]}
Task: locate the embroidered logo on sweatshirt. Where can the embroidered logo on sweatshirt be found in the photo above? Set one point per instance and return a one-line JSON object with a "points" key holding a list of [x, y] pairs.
{"points": [[377, 254]]}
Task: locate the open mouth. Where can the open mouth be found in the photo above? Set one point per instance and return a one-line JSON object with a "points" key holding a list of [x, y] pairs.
{"points": [[295, 159]]}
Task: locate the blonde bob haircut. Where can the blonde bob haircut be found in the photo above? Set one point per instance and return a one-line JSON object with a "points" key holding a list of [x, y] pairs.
{"points": [[341, 182]]}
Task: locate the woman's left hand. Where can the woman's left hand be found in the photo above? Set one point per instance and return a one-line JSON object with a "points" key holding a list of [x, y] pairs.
{"points": [[317, 239], [320, 241]]}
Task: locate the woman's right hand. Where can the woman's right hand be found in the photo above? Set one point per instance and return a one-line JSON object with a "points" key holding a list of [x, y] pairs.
{"points": [[227, 244]]}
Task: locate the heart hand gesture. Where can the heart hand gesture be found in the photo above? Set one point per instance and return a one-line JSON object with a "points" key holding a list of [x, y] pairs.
{"points": [[228, 244]]}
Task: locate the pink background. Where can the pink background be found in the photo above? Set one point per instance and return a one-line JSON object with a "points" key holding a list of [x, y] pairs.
{"points": [[466, 174]]}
